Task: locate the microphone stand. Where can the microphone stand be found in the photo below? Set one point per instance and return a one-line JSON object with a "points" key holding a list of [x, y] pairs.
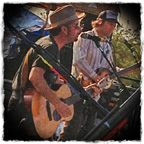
{"points": [[113, 69], [131, 49], [133, 53]]}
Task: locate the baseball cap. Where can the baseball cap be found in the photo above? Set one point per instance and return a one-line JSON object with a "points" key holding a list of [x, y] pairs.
{"points": [[109, 15]]}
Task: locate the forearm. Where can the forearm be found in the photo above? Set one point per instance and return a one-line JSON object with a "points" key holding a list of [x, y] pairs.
{"points": [[40, 84]]}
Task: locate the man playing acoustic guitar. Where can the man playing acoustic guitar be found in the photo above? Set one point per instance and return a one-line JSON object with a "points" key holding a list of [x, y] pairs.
{"points": [[88, 59], [34, 73]]}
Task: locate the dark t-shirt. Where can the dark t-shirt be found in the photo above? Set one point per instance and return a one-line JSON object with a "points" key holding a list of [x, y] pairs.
{"points": [[21, 80], [32, 59]]}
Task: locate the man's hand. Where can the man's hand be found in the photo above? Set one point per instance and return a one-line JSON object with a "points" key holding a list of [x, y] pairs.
{"points": [[102, 75], [97, 78], [96, 91], [63, 109]]}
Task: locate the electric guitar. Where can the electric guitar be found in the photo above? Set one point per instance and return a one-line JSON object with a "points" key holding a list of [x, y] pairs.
{"points": [[105, 83], [46, 122]]}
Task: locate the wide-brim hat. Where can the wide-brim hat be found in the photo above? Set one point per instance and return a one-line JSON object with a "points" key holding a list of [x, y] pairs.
{"points": [[109, 15], [63, 15]]}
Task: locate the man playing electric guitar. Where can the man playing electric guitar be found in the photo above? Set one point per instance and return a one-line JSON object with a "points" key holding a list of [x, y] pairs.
{"points": [[88, 59]]}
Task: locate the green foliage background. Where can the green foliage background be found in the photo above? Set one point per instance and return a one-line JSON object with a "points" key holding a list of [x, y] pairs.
{"points": [[123, 56]]}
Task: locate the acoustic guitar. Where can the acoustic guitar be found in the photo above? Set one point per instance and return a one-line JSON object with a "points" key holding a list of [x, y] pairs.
{"points": [[46, 122]]}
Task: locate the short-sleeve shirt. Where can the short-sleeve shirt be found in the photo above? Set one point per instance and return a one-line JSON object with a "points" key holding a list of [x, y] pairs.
{"points": [[21, 80], [32, 59]]}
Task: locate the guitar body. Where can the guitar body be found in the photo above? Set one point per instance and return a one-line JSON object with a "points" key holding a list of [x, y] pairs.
{"points": [[45, 126], [102, 72], [86, 83]]}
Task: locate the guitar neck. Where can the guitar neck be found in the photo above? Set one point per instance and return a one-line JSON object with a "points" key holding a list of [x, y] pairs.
{"points": [[72, 100], [128, 69]]}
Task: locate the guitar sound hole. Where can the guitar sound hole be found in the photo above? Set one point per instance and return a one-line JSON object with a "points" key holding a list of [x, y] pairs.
{"points": [[56, 116], [48, 110]]}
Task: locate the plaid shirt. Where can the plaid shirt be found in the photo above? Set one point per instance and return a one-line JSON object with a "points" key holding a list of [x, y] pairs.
{"points": [[88, 57]]}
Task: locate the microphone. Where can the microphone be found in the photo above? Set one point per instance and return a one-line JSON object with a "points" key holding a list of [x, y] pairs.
{"points": [[94, 38]]}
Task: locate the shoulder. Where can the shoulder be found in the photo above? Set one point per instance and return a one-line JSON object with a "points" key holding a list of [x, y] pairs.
{"points": [[86, 40], [44, 41], [48, 43], [91, 32]]}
